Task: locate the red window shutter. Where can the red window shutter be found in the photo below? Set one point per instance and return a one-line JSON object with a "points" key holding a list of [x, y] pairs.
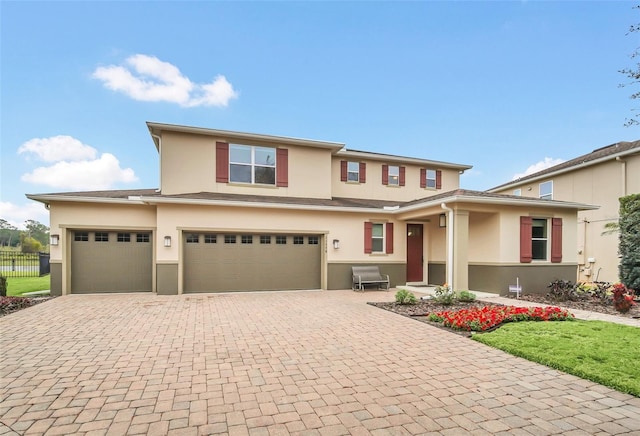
{"points": [[385, 174], [363, 172], [282, 168], [343, 170], [525, 239], [368, 235], [389, 235], [438, 179], [556, 240], [423, 178], [402, 176], [222, 162]]}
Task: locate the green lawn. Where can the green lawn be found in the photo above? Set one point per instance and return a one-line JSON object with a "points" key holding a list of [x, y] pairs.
{"points": [[602, 352], [20, 285]]}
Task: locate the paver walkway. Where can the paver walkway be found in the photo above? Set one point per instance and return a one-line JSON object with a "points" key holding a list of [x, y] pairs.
{"points": [[316, 363]]}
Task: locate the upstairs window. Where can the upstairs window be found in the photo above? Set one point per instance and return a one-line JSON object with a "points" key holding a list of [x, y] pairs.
{"points": [[430, 179], [252, 164], [517, 192], [546, 190], [249, 164], [354, 172], [393, 175]]}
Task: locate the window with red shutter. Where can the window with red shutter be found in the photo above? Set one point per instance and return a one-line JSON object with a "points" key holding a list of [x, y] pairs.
{"points": [[525, 239], [282, 167], [363, 172], [222, 162], [343, 170], [402, 176], [423, 178], [389, 238], [438, 179], [368, 240], [556, 240], [385, 174]]}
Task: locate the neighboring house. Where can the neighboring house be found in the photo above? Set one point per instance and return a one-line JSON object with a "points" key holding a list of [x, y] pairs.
{"points": [[600, 178], [241, 211]]}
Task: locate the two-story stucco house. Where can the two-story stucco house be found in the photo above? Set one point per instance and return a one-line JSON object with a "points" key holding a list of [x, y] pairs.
{"points": [[242, 211], [600, 178]]}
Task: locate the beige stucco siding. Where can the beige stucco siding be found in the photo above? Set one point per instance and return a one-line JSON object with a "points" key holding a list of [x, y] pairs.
{"points": [[348, 228], [601, 185], [188, 165], [373, 187], [96, 216]]}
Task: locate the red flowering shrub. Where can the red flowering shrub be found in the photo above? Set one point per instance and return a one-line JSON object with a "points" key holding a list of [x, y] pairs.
{"points": [[484, 318], [622, 297]]}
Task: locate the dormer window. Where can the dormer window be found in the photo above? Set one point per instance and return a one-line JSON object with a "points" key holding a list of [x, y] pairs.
{"points": [[546, 190], [251, 164]]}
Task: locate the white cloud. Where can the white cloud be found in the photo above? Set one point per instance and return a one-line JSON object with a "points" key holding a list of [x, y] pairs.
{"points": [[147, 78], [101, 173], [57, 148], [16, 215], [548, 162]]}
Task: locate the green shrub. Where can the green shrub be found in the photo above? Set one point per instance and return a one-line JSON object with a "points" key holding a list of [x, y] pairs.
{"points": [[466, 296], [444, 295], [405, 297], [563, 290]]}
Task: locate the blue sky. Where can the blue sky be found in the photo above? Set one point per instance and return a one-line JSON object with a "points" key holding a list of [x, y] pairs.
{"points": [[503, 86]]}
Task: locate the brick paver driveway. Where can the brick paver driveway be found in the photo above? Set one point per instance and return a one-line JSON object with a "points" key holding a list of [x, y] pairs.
{"points": [[276, 363]]}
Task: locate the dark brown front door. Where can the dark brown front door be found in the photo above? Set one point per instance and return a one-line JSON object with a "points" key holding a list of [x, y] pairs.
{"points": [[414, 253]]}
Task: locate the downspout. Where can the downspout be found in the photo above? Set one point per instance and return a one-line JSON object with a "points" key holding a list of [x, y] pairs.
{"points": [[159, 139], [449, 245]]}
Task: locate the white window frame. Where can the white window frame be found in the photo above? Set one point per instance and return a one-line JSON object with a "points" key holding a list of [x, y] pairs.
{"points": [[353, 172], [431, 181], [394, 175], [381, 238], [517, 192], [545, 238], [548, 195], [253, 165]]}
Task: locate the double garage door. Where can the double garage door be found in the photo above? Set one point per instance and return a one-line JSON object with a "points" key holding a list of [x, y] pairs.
{"points": [[111, 261], [246, 262]]}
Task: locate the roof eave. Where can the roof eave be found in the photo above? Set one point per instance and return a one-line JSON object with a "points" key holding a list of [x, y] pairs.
{"points": [[402, 159], [157, 128], [535, 178]]}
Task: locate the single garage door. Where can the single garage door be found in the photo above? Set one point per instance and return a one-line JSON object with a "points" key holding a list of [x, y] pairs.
{"points": [[258, 262], [108, 261]]}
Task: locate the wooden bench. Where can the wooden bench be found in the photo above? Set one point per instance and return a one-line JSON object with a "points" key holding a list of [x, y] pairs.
{"points": [[368, 275]]}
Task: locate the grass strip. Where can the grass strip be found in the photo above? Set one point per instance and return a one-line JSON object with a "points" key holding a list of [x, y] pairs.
{"points": [[20, 285], [599, 351]]}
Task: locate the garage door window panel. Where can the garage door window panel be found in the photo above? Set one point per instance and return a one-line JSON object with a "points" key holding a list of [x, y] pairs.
{"points": [[265, 239], [81, 236], [247, 239], [142, 237], [229, 239], [193, 238], [101, 237], [314, 240], [281, 240], [124, 237], [210, 239]]}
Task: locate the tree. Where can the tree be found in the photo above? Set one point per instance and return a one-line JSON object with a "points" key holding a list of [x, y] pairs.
{"points": [[37, 231], [28, 244], [630, 241], [9, 234], [633, 74]]}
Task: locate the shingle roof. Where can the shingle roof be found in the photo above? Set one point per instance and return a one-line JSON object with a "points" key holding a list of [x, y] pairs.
{"points": [[154, 196], [596, 155]]}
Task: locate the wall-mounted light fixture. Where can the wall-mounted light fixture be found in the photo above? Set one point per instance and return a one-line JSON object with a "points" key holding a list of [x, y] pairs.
{"points": [[167, 241], [54, 239], [442, 220], [336, 243]]}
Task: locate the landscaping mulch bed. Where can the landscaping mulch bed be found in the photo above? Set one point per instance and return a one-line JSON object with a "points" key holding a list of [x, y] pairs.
{"points": [[590, 305], [9, 305]]}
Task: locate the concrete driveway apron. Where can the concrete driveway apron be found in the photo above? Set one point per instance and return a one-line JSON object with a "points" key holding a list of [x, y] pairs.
{"points": [[316, 363]]}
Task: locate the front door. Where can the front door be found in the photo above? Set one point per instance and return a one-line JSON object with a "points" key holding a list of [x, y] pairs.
{"points": [[414, 253]]}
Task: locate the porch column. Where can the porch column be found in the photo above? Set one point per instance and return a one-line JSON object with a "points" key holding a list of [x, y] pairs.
{"points": [[460, 250]]}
